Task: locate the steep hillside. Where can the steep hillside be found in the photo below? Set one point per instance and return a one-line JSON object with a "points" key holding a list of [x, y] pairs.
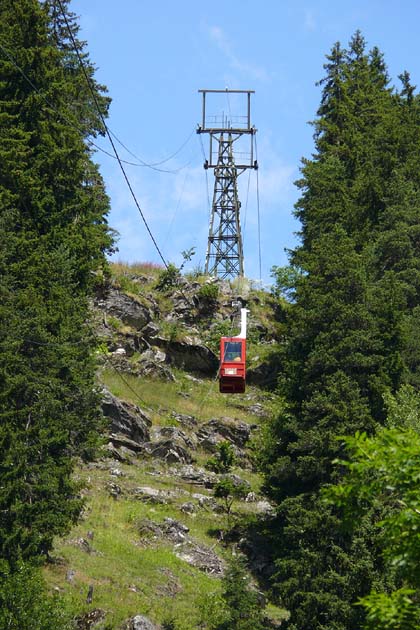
{"points": [[169, 499]]}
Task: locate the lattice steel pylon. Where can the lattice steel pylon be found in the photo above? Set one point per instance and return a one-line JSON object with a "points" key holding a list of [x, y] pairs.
{"points": [[225, 257]]}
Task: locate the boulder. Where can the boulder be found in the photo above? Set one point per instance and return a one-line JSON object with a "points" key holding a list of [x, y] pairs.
{"points": [[201, 557], [219, 429], [189, 355], [197, 476], [172, 451], [179, 436], [139, 622], [264, 375], [89, 620], [126, 420], [151, 368], [184, 419], [150, 330], [153, 495], [127, 308], [187, 549]]}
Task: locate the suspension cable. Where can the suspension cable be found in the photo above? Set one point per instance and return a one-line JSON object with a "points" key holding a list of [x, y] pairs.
{"points": [[73, 124], [258, 212], [82, 65]]}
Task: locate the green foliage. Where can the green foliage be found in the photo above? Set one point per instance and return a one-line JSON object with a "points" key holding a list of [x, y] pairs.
{"points": [[403, 409], [229, 490], [213, 611], [397, 611], [209, 292], [25, 603], [217, 330], [187, 255], [224, 458], [54, 238], [352, 331], [244, 610], [285, 281], [168, 278], [383, 472]]}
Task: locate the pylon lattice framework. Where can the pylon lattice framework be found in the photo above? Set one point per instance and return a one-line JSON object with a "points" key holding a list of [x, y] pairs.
{"points": [[224, 250]]}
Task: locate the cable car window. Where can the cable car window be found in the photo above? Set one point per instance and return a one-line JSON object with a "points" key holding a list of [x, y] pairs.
{"points": [[233, 351]]}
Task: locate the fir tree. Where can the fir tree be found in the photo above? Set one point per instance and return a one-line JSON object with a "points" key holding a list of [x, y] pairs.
{"points": [[355, 300], [54, 236]]}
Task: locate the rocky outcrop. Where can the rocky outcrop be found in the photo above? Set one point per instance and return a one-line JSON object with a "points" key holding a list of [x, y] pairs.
{"points": [[171, 451], [189, 355], [129, 425], [154, 495], [186, 548], [154, 370], [196, 476], [220, 429], [125, 307], [139, 622]]}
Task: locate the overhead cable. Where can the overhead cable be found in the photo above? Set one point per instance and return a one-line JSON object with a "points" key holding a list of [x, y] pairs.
{"points": [[258, 211], [82, 65], [73, 124]]}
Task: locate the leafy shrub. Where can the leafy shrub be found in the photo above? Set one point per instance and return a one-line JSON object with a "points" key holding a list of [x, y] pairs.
{"points": [[224, 458], [244, 607], [209, 292], [25, 603], [228, 490], [168, 278]]}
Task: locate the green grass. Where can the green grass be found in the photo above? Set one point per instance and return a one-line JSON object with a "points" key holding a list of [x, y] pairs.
{"points": [[129, 575], [201, 399], [133, 575]]}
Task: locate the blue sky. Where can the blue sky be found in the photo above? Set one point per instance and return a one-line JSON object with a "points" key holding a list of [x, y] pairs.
{"points": [[154, 56]]}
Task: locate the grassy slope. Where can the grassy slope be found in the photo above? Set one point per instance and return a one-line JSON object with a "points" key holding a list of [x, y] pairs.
{"points": [[131, 575]]}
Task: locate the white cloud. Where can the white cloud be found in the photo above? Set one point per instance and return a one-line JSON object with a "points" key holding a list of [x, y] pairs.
{"points": [[176, 209], [309, 21], [252, 71]]}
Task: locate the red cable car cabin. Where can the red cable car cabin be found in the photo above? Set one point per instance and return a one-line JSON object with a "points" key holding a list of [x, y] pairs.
{"points": [[232, 365]]}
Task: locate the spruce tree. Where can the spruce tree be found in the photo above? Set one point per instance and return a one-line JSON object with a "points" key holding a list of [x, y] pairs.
{"points": [[356, 299], [54, 238]]}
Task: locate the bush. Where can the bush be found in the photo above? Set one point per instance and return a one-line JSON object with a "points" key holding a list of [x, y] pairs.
{"points": [[224, 458], [209, 292], [168, 278], [245, 611], [25, 603]]}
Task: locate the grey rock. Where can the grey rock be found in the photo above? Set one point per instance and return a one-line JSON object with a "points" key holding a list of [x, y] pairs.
{"points": [[126, 419], [189, 508], [190, 356], [153, 369], [264, 375], [114, 489], [179, 436], [90, 619], [184, 419], [125, 446], [169, 450], [258, 410], [236, 481], [187, 549], [153, 495], [140, 622], [197, 476], [150, 330], [220, 429], [126, 308], [201, 557]]}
